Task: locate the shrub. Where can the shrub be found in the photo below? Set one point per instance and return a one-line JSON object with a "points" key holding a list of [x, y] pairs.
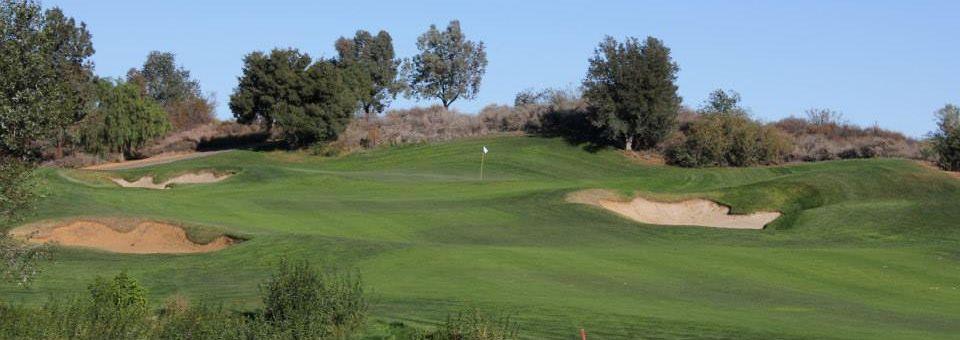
{"points": [[719, 139], [304, 303], [823, 136], [472, 324]]}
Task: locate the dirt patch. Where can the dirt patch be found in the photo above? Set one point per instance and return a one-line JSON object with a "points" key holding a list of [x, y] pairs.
{"points": [[148, 182], [155, 160], [120, 236], [694, 212], [645, 157]]}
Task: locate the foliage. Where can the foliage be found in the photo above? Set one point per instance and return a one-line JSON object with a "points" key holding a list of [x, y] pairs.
{"points": [[448, 67], [374, 57], [823, 135], [723, 102], [719, 139], [322, 109], [473, 324], [303, 303], [44, 83], [117, 307], [44, 72], [171, 86], [124, 120], [270, 82], [308, 102], [631, 92], [946, 140]]}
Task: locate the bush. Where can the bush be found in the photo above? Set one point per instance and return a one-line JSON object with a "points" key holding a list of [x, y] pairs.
{"points": [[719, 139], [472, 324], [823, 136], [303, 303]]}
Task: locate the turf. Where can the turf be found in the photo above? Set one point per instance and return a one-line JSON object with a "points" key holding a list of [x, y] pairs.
{"points": [[866, 248]]}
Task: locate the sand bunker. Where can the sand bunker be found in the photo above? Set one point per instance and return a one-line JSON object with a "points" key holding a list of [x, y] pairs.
{"points": [[695, 212], [147, 182], [140, 237]]}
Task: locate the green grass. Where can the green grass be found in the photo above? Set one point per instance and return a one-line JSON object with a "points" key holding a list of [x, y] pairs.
{"points": [[866, 248]]}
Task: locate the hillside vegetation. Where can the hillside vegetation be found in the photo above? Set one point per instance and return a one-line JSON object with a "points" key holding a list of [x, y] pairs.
{"points": [[866, 248]]}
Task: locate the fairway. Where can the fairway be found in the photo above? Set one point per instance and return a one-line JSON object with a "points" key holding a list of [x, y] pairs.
{"points": [[864, 248]]}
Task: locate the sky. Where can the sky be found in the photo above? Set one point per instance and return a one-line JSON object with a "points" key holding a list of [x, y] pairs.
{"points": [[890, 63]]}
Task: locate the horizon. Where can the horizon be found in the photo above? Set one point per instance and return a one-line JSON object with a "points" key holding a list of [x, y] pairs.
{"points": [[782, 58]]}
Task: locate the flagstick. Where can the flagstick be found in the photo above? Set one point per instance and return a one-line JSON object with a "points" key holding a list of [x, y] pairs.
{"points": [[482, 157]]}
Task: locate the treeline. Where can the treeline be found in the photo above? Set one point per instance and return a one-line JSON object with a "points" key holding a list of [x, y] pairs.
{"points": [[299, 302]]}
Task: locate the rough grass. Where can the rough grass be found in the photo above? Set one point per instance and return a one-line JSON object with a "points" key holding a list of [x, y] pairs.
{"points": [[866, 248]]}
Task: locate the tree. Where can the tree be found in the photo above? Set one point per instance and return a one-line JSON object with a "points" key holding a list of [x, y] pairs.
{"points": [[124, 121], [631, 92], [268, 84], [723, 102], [43, 67], [171, 86], [449, 66], [69, 48], [375, 59], [946, 140], [322, 109]]}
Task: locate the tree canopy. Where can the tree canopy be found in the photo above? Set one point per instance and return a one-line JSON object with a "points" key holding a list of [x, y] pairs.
{"points": [[172, 87], [125, 119], [269, 82], [946, 140], [376, 66], [44, 74], [308, 102], [631, 91], [449, 67]]}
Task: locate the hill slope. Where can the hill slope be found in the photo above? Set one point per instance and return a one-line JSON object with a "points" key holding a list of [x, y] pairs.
{"points": [[866, 248]]}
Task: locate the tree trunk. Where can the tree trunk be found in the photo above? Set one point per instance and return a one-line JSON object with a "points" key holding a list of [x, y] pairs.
{"points": [[629, 144]]}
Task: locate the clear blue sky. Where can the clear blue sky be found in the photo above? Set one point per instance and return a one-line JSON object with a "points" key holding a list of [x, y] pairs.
{"points": [[888, 62]]}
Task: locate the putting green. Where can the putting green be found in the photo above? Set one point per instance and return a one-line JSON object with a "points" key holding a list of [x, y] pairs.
{"points": [[865, 248]]}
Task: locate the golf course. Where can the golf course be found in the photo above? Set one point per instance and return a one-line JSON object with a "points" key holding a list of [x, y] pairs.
{"points": [[865, 249]]}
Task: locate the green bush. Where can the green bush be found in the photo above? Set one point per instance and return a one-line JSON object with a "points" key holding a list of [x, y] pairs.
{"points": [[720, 139], [472, 324], [301, 302]]}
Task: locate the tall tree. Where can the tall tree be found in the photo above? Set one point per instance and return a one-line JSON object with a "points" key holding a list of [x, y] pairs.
{"points": [[124, 121], [323, 107], [449, 67], [631, 91], [43, 66], [270, 83], [308, 102], [374, 57], [171, 85]]}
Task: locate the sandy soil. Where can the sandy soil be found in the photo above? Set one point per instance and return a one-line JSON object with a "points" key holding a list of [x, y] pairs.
{"points": [[695, 212], [140, 237], [155, 160], [192, 178]]}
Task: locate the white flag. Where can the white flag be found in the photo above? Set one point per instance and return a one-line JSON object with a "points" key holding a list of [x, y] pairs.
{"points": [[485, 149]]}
